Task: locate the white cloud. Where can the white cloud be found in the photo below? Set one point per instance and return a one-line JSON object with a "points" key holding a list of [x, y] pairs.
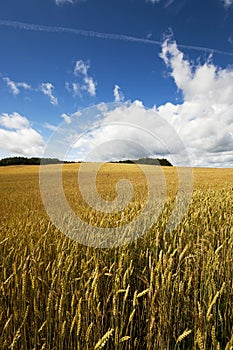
{"points": [[13, 121], [75, 87], [24, 85], [129, 131], [203, 121], [61, 2], [102, 107], [86, 82], [168, 3], [230, 39], [227, 3], [105, 36], [89, 86], [205, 118], [11, 85], [153, 1], [118, 95], [17, 137], [201, 82], [14, 86], [47, 89], [68, 118], [67, 86], [50, 126], [81, 67]]}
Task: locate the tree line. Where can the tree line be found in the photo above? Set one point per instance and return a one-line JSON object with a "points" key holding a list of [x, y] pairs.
{"points": [[29, 161], [147, 160], [38, 161]]}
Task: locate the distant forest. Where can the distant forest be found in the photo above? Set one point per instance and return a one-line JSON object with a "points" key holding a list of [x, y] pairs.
{"points": [[29, 161], [149, 161], [37, 161]]}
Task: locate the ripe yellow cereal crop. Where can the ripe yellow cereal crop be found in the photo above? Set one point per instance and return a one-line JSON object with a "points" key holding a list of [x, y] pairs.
{"points": [[161, 291]]}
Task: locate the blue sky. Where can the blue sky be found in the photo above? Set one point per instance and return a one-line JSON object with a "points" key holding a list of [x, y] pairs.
{"points": [[170, 57]]}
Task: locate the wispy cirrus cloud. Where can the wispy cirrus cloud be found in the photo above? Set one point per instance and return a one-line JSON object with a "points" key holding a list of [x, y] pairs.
{"points": [[50, 126], [16, 86], [63, 2], [168, 3], [106, 36], [230, 39], [47, 89], [153, 1]]}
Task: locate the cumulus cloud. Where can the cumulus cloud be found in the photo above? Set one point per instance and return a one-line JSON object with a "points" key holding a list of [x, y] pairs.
{"points": [[47, 89], [203, 121], [68, 118], [73, 88], [89, 86], [14, 121], [81, 67], [118, 95], [85, 81], [15, 87], [128, 131], [205, 118], [200, 82], [17, 137]]}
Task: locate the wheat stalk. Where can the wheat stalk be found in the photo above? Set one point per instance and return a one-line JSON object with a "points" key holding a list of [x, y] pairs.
{"points": [[101, 343]]}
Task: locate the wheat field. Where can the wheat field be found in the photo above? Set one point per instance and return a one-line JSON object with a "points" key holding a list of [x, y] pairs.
{"points": [[161, 291]]}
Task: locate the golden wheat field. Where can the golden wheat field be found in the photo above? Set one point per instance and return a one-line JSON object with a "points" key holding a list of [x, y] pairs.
{"points": [[162, 291]]}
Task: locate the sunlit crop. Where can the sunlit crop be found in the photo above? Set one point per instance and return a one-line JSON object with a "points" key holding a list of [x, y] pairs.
{"points": [[162, 291]]}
